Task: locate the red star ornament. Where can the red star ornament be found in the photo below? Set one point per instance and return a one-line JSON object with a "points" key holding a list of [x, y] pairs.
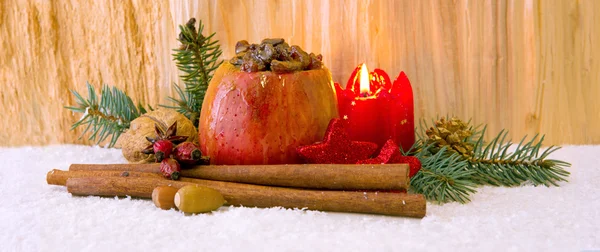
{"points": [[413, 163], [390, 154], [336, 147]]}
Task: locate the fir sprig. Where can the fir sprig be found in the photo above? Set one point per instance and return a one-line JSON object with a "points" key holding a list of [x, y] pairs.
{"points": [[197, 58], [443, 177], [453, 167], [494, 164], [106, 116]]}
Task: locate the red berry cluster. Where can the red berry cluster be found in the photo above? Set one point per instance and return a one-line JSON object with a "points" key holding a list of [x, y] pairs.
{"points": [[170, 150]]}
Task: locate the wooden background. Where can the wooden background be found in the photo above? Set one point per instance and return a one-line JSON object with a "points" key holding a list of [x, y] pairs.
{"points": [[524, 65]]}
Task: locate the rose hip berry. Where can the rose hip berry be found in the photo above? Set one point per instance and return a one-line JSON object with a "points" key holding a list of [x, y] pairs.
{"points": [[162, 149], [187, 153], [162, 145], [170, 168]]}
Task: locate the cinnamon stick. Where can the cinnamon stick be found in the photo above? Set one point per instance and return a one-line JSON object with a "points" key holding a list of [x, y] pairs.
{"points": [[315, 176], [59, 177], [398, 204], [151, 168]]}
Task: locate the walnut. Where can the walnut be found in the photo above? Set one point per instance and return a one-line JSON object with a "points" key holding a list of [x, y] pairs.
{"points": [[133, 141]]}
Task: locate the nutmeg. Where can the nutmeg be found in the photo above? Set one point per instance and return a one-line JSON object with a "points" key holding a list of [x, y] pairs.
{"points": [[198, 199], [164, 197]]}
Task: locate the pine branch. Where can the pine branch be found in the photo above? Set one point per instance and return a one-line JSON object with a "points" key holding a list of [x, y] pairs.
{"points": [[197, 58], [106, 116], [452, 151], [496, 165], [443, 178], [183, 104]]}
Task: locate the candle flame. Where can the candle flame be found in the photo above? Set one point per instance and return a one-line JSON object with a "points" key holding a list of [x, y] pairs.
{"points": [[364, 80]]}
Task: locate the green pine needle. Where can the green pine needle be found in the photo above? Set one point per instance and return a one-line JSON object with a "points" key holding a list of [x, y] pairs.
{"points": [[197, 58], [182, 105], [106, 116], [495, 164], [443, 178], [448, 176]]}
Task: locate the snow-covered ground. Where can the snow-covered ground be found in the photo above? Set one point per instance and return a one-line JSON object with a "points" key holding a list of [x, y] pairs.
{"points": [[35, 216]]}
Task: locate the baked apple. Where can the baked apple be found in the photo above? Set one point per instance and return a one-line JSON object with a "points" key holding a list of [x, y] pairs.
{"points": [[265, 102]]}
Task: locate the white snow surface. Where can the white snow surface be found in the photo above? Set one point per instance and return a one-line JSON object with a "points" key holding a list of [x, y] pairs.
{"points": [[35, 216]]}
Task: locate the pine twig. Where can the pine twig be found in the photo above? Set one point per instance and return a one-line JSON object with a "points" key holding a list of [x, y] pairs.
{"points": [[106, 116], [184, 104], [443, 178], [495, 165], [452, 151], [197, 58]]}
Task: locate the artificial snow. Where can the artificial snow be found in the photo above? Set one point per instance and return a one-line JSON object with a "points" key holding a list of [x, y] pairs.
{"points": [[35, 216]]}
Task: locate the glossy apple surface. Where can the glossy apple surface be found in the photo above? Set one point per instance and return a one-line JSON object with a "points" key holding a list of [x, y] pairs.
{"points": [[261, 117]]}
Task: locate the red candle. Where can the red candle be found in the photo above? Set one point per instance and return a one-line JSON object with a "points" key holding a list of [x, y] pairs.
{"points": [[377, 109]]}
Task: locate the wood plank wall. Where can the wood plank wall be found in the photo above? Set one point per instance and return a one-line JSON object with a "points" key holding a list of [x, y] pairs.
{"points": [[524, 65]]}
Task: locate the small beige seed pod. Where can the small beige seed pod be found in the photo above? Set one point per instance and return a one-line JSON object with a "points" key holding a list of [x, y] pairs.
{"points": [[198, 199]]}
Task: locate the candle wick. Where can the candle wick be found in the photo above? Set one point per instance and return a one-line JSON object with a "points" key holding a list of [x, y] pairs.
{"points": [[365, 94]]}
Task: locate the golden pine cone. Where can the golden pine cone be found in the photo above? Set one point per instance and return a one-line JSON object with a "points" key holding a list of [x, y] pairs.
{"points": [[451, 134]]}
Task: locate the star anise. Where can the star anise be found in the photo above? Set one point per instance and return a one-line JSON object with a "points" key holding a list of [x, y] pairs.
{"points": [[170, 135]]}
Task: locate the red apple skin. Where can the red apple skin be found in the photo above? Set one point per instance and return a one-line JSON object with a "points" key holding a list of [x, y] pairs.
{"points": [[261, 117]]}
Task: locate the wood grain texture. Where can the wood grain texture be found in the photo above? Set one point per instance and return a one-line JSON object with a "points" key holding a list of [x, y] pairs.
{"points": [[525, 65]]}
